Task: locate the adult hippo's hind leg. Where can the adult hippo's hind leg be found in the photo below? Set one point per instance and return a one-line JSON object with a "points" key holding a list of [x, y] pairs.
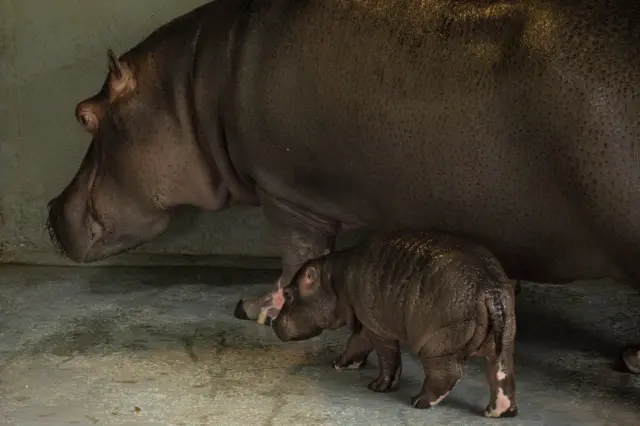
{"points": [[301, 236]]}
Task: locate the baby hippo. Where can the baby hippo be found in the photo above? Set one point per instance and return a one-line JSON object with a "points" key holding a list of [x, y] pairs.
{"points": [[444, 296]]}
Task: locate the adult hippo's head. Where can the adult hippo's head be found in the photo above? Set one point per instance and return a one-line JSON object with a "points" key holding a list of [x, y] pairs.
{"points": [[143, 161]]}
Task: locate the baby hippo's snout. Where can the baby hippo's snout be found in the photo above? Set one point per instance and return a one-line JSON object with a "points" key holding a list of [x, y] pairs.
{"points": [[310, 305], [294, 323], [282, 328], [289, 327]]}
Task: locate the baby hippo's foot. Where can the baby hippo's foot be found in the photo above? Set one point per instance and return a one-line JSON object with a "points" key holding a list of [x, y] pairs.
{"points": [[390, 365], [496, 414], [427, 399], [355, 355], [502, 407], [423, 402], [384, 384], [340, 363], [441, 376]]}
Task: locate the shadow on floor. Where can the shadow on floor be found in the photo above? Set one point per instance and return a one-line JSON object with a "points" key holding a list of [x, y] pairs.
{"points": [[567, 336]]}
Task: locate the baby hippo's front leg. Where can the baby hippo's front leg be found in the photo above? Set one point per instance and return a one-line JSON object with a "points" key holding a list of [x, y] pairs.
{"points": [[390, 364], [355, 355]]}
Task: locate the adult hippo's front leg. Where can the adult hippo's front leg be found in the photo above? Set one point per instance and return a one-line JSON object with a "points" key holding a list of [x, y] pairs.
{"points": [[300, 235]]}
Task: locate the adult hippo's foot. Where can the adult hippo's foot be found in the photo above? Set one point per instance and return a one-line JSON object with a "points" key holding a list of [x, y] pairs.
{"points": [[262, 309], [630, 357]]}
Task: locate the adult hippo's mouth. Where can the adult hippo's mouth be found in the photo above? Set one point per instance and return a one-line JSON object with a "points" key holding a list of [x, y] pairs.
{"points": [[87, 241], [67, 242], [72, 226], [92, 219], [78, 233]]}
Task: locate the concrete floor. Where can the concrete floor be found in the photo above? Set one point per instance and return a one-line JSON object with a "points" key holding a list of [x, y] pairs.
{"points": [[160, 347]]}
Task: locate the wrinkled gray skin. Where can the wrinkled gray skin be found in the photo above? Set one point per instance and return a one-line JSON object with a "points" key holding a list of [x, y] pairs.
{"points": [[446, 297], [515, 123]]}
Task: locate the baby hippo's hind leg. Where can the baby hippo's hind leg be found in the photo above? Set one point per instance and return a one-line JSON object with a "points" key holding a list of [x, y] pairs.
{"points": [[355, 355], [501, 372], [502, 383], [441, 376]]}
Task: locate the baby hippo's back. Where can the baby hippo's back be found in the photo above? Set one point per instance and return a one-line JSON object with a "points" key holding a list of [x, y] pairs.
{"points": [[423, 288]]}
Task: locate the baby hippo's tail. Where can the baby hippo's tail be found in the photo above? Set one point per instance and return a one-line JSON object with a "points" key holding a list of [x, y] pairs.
{"points": [[497, 303]]}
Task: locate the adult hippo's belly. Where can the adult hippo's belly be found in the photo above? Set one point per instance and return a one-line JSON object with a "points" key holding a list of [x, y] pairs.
{"points": [[514, 123]]}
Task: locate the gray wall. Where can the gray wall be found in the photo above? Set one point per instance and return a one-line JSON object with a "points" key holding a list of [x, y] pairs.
{"points": [[53, 54]]}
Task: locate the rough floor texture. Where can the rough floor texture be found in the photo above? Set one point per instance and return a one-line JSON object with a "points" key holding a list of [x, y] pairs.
{"points": [[160, 347]]}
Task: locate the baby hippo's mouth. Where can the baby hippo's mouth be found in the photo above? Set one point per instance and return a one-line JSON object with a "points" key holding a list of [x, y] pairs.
{"points": [[288, 331]]}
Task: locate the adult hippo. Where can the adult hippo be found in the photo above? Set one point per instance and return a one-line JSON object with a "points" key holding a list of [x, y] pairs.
{"points": [[516, 123]]}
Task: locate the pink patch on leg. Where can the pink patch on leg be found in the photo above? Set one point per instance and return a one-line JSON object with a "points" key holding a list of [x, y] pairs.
{"points": [[503, 403]]}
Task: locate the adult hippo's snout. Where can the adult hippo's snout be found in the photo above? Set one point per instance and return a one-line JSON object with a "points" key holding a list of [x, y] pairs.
{"points": [[73, 229], [84, 235], [71, 225], [87, 223]]}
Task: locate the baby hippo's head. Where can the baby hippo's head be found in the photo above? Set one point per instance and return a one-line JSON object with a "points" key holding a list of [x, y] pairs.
{"points": [[310, 304]]}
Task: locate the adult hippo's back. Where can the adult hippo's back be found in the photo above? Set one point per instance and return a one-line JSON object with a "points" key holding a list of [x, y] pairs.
{"points": [[516, 123]]}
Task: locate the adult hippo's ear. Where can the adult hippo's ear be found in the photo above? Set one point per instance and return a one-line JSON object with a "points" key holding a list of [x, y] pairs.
{"points": [[310, 281], [121, 77]]}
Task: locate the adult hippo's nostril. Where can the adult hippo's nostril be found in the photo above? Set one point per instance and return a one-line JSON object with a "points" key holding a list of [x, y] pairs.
{"points": [[95, 228]]}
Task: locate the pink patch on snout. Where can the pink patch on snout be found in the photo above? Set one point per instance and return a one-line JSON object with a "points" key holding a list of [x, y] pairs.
{"points": [[278, 299], [501, 375], [272, 309]]}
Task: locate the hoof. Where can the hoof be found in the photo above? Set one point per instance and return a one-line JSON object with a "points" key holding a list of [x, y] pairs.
{"points": [[354, 365], [239, 312], [510, 413], [382, 385], [420, 402]]}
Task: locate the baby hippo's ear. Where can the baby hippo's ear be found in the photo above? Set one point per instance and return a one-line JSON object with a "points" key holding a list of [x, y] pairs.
{"points": [[310, 281]]}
